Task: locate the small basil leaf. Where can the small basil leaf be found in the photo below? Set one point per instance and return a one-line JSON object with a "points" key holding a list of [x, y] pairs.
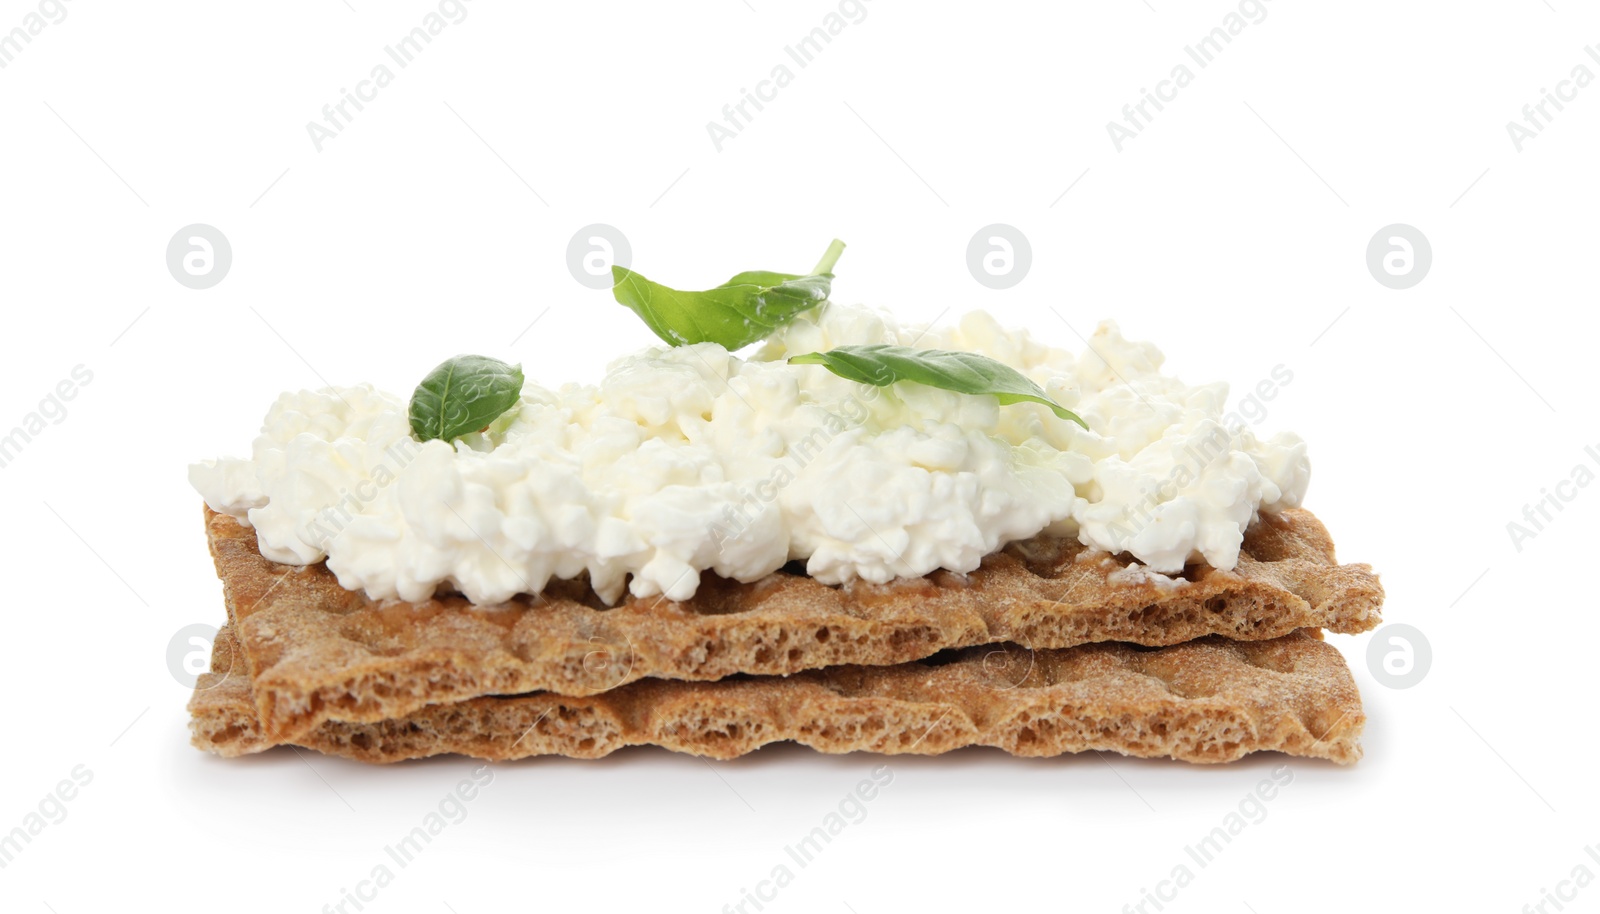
{"points": [[463, 395], [741, 311], [963, 372]]}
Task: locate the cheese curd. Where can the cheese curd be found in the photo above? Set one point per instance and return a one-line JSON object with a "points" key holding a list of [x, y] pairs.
{"points": [[691, 459]]}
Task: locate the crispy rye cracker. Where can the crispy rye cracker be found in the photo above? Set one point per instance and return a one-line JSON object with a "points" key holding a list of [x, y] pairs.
{"points": [[317, 652], [1211, 700]]}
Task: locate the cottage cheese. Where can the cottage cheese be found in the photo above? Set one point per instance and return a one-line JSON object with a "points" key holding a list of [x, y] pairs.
{"points": [[691, 459]]}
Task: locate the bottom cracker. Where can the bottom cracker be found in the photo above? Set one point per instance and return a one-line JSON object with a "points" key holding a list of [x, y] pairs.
{"points": [[1210, 700]]}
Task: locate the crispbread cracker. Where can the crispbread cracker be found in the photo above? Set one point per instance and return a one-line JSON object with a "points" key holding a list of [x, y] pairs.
{"points": [[1211, 700], [318, 652]]}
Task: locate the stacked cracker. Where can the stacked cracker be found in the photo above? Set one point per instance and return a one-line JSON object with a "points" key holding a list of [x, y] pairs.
{"points": [[1047, 648]]}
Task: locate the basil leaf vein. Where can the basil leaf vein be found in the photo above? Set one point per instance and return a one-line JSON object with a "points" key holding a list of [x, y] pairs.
{"points": [[963, 372], [464, 395]]}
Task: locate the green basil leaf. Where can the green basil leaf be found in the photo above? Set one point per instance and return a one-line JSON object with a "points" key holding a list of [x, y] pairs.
{"points": [[464, 395], [963, 372], [741, 311]]}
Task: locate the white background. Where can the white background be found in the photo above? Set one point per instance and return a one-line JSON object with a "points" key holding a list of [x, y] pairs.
{"points": [[1232, 231]]}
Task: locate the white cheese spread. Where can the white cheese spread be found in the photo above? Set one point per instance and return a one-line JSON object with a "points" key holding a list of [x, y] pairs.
{"points": [[691, 459]]}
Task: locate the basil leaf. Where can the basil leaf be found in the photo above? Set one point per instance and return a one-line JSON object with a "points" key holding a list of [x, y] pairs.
{"points": [[463, 395], [741, 311], [963, 372]]}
